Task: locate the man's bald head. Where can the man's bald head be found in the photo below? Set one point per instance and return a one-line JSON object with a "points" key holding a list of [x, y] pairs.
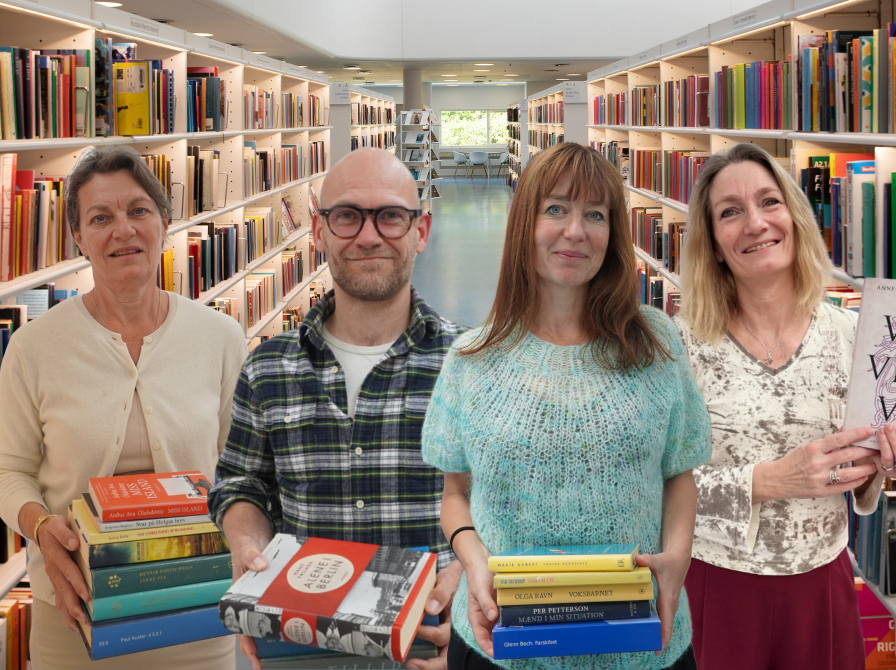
{"points": [[370, 172]]}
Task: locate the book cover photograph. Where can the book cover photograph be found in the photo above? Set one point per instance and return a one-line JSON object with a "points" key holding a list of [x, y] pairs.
{"points": [[349, 597], [150, 495], [871, 399]]}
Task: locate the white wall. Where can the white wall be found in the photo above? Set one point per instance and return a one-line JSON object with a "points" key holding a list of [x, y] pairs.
{"points": [[413, 30], [470, 96]]}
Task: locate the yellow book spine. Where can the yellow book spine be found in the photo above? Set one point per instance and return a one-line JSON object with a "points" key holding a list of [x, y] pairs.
{"points": [[520, 580], [91, 531], [575, 594], [560, 563]]}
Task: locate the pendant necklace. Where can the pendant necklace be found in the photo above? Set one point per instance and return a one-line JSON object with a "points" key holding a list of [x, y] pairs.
{"points": [[768, 351]]}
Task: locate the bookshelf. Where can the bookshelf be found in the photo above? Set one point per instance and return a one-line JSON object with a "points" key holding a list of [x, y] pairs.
{"points": [[557, 115], [888, 601], [628, 116], [518, 147], [360, 118], [305, 137], [435, 137], [416, 129], [12, 572]]}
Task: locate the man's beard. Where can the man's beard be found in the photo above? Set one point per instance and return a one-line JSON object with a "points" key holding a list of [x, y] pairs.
{"points": [[371, 286]]}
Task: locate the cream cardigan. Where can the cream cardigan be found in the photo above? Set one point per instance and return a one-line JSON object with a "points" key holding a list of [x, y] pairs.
{"points": [[66, 389]]}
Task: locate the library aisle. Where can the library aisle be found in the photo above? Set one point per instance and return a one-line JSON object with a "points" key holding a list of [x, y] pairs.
{"points": [[458, 272]]}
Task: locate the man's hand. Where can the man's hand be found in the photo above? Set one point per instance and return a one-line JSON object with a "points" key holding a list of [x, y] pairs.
{"points": [[248, 532], [669, 569], [439, 603]]}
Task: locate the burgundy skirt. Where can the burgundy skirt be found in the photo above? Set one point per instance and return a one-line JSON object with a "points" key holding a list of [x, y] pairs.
{"points": [[744, 621]]}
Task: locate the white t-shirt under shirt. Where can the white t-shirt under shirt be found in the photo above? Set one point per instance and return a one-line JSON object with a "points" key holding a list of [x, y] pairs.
{"points": [[356, 363]]}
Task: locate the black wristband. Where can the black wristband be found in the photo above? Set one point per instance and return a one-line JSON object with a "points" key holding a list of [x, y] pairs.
{"points": [[454, 534]]}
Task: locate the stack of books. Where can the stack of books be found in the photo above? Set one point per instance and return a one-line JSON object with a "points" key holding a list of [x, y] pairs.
{"points": [[573, 600], [154, 563]]}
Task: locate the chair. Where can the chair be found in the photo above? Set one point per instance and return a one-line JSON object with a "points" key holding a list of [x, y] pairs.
{"points": [[504, 162], [460, 159], [479, 158]]}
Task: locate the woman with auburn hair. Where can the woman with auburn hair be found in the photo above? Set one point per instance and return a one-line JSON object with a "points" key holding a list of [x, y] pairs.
{"points": [[771, 585], [570, 417]]}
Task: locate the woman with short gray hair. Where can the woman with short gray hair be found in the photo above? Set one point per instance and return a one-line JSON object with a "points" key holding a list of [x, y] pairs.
{"points": [[126, 378], [770, 584]]}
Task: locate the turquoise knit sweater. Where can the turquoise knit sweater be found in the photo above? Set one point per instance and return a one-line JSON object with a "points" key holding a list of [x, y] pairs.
{"points": [[562, 451]]}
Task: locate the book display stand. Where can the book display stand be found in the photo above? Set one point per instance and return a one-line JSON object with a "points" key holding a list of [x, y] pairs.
{"points": [[518, 147], [296, 155], [360, 118], [416, 129], [557, 115]]}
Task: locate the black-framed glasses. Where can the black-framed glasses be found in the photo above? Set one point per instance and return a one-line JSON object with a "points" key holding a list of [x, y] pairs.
{"points": [[346, 221]]}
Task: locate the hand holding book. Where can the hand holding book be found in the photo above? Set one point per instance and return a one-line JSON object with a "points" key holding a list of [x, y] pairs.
{"points": [[481, 606], [439, 604]]}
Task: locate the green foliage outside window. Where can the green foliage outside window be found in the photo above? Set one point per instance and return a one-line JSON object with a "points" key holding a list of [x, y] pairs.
{"points": [[474, 128]]}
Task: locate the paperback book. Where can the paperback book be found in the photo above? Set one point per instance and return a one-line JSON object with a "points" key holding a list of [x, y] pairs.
{"points": [[566, 558], [521, 580], [530, 615], [576, 594], [350, 597], [149, 496], [119, 606], [871, 398]]}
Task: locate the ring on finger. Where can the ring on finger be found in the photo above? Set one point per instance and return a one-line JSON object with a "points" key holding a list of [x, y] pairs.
{"points": [[834, 479], [890, 469]]}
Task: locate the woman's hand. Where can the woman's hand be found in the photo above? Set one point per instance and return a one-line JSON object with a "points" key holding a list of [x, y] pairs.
{"points": [[886, 440], [481, 607], [669, 569], [806, 471], [56, 540], [439, 603]]}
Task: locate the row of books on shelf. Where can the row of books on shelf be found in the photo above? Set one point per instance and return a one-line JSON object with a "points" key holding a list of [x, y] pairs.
{"points": [[515, 132], [206, 100], [417, 138], [616, 152], [686, 102], [542, 139], [754, 95], [29, 305], [363, 114], [872, 539], [852, 198], [548, 112], [384, 140], [262, 110], [513, 114], [15, 627], [514, 147], [669, 173], [417, 117]]}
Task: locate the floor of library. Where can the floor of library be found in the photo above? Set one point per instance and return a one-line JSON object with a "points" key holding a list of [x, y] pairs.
{"points": [[458, 272]]}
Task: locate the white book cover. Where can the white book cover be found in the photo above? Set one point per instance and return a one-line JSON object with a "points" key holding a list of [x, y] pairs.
{"points": [[871, 399], [885, 166], [840, 69]]}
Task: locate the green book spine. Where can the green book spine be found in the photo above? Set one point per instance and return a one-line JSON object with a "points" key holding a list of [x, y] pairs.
{"points": [[120, 580], [160, 600], [740, 118], [868, 228], [157, 549], [892, 224], [730, 72]]}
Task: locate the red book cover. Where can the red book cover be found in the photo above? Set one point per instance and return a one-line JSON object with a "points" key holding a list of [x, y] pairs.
{"points": [[209, 71], [355, 598], [150, 496]]}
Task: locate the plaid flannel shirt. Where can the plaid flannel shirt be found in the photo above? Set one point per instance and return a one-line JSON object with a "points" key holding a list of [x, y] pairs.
{"points": [[294, 452]]}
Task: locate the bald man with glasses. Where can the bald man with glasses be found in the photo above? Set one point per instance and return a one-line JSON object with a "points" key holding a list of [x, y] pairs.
{"points": [[325, 437]]}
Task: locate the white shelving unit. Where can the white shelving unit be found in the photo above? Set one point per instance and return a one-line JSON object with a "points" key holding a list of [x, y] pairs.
{"points": [[518, 147], [556, 115], [435, 137], [361, 118], [60, 24], [416, 152], [12, 572], [768, 32]]}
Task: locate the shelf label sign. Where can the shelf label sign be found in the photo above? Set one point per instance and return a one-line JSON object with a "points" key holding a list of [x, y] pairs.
{"points": [[217, 47], [681, 42], [572, 91], [744, 19], [263, 60], [143, 26], [292, 69], [340, 93], [642, 55]]}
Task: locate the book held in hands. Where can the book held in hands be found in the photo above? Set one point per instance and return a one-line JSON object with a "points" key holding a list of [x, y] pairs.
{"points": [[355, 598]]}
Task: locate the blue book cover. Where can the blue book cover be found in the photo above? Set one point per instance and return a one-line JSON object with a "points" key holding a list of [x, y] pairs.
{"points": [[835, 221], [116, 637], [576, 639]]}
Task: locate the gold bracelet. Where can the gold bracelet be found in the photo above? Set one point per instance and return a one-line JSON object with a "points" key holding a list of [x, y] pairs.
{"points": [[40, 521]]}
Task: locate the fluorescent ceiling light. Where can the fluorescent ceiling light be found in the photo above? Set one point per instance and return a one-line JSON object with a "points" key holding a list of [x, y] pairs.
{"points": [[826, 9], [259, 52], [562, 78], [483, 63], [750, 32], [481, 70], [574, 74], [448, 75], [112, 4], [453, 84], [511, 75], [197, 34], [352, 67], [502, 84]]}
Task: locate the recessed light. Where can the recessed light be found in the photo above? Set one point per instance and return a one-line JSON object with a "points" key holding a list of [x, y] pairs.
{"points": [[574, 74], [259, 52], [453, 84], [502, 84], [483, 63], [351, 67], [448, 75], [365, 71], [203, 34], [109, 4], [511, 75], [481, 70], [562, 78], [319, 71]]}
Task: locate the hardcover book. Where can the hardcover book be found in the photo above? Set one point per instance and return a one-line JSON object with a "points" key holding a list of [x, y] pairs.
{"points": [[591, 637], [116, 637], [119, 580], [576, 594], [566, 558], [150, 496], [530, 615], [355, 598], [166, 599], [142, 524], [871, 398], [520, 580], [95, 535]]}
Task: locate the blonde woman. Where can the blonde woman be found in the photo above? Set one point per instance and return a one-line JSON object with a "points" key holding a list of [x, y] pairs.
{"points": [[770, 584]]}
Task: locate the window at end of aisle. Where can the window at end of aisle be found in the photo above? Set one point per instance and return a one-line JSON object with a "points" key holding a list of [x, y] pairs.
{"points": [[465, 128]]}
